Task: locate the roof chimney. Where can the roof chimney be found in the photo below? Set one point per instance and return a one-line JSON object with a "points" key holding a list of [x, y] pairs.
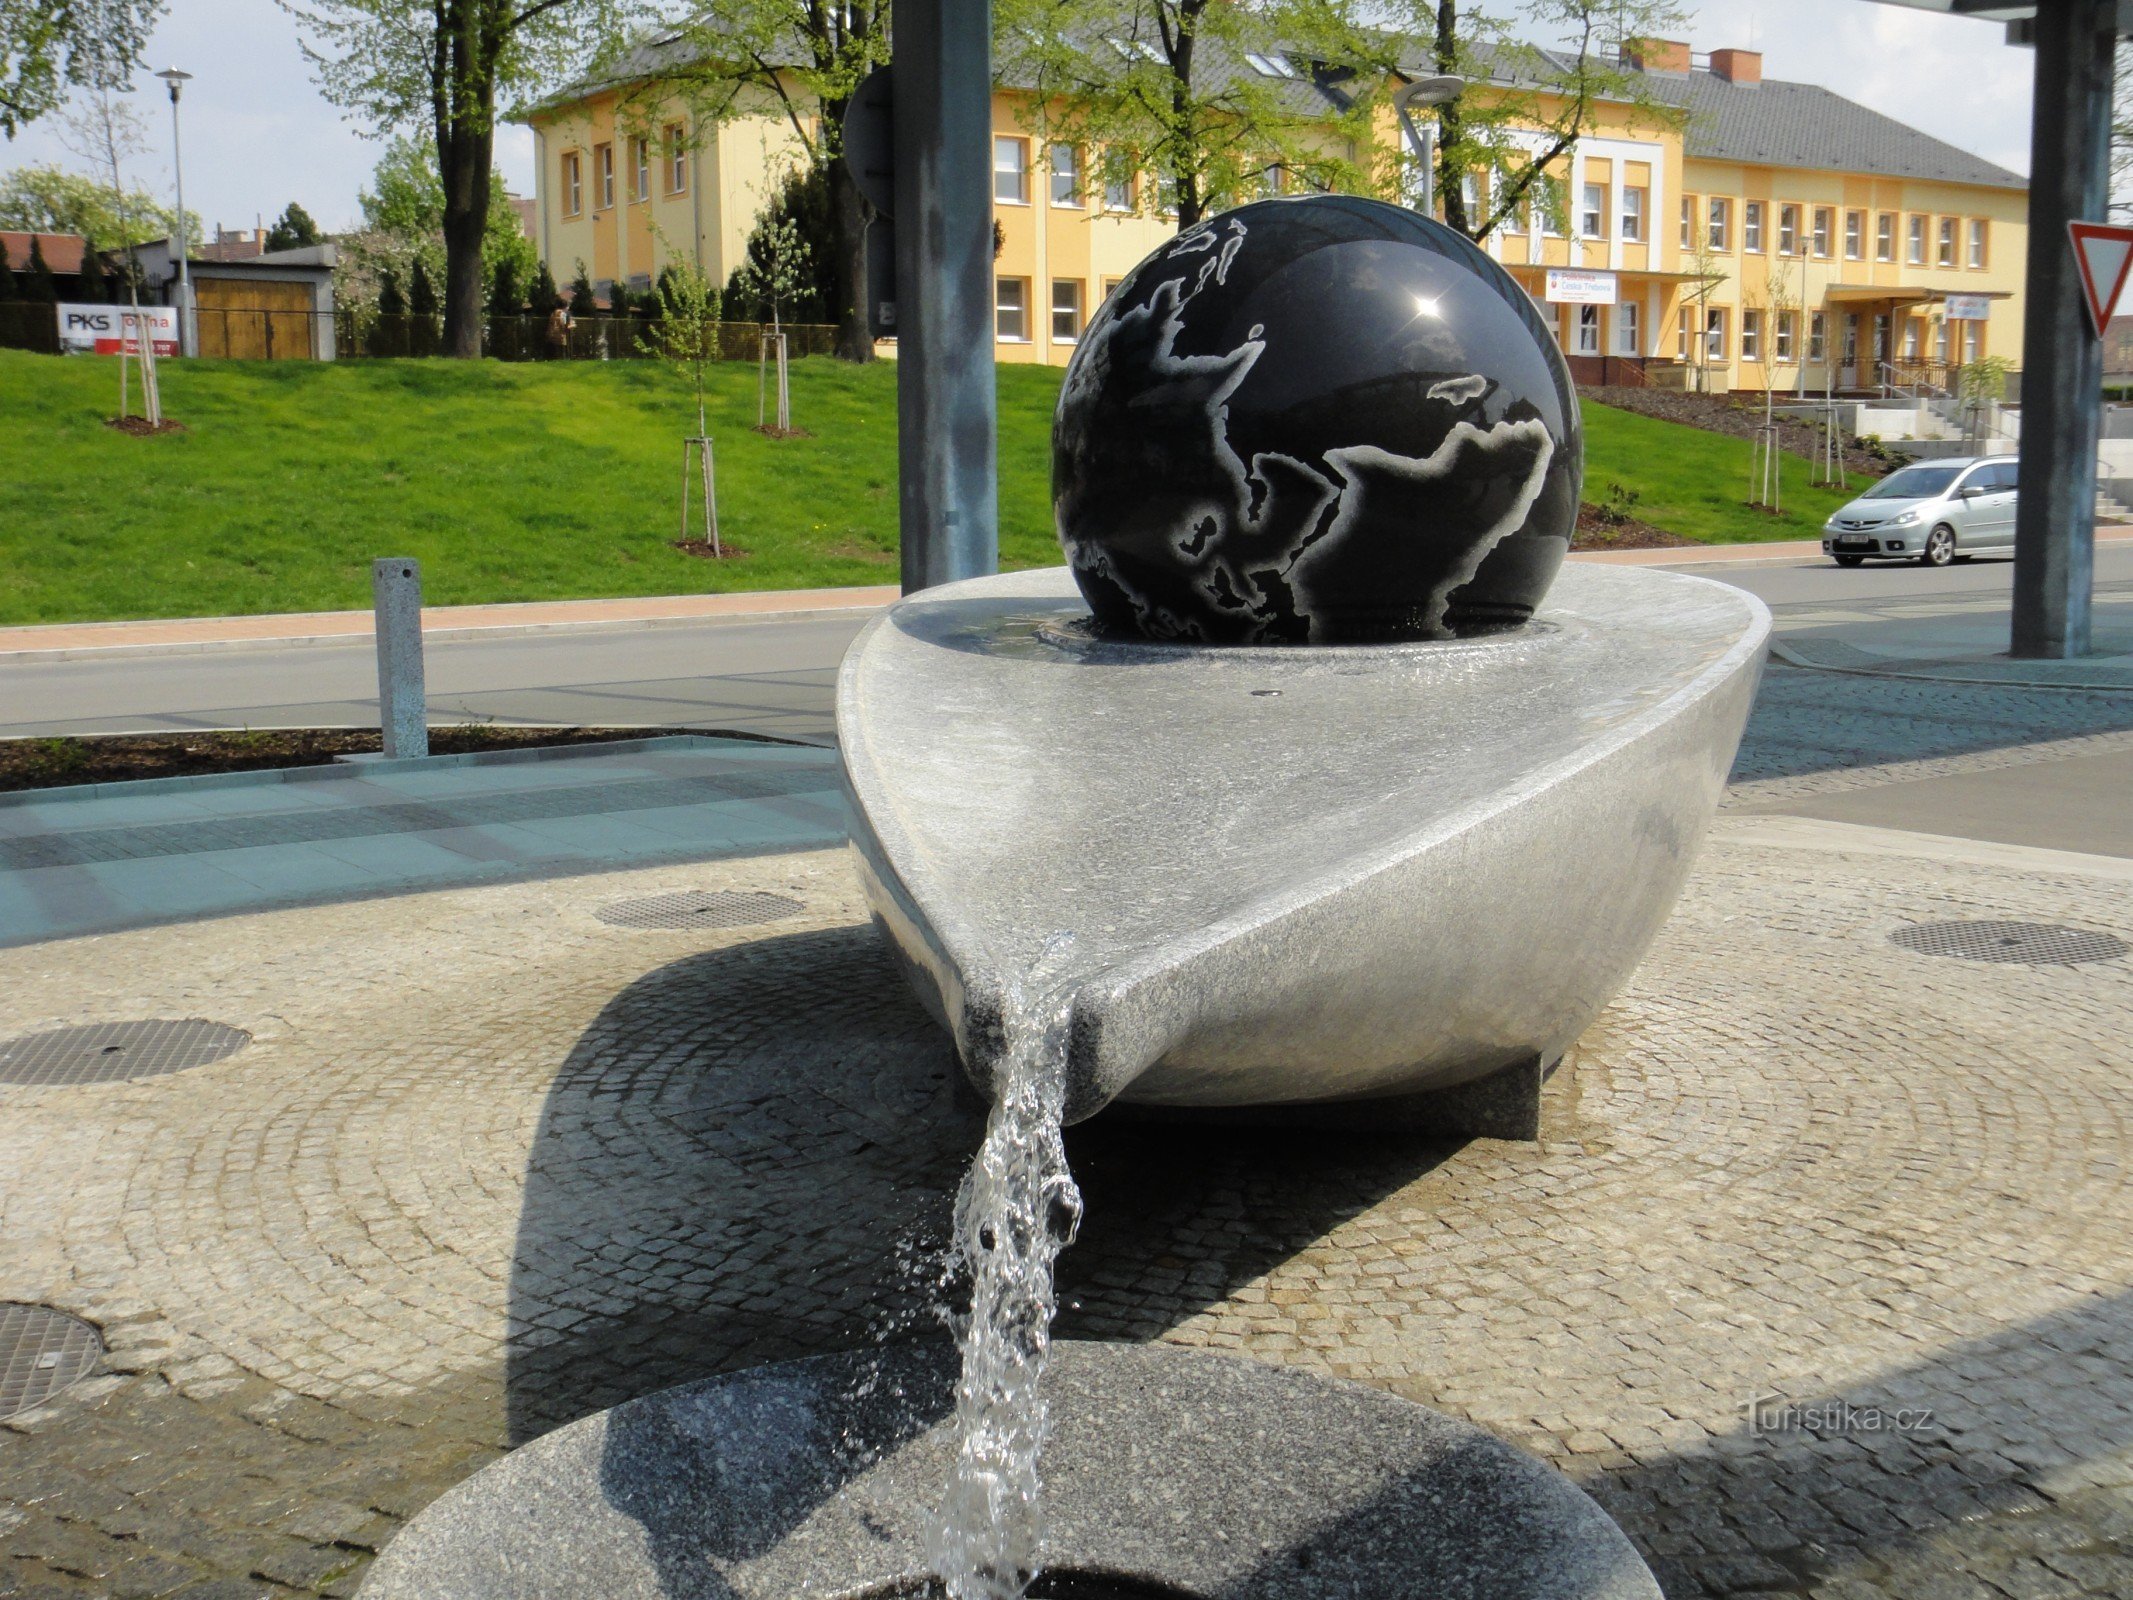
{"points": [[1656, 55], [1738, 66]]}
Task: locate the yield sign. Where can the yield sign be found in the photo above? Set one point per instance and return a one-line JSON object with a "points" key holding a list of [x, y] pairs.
{"points": [[2104, 252]]}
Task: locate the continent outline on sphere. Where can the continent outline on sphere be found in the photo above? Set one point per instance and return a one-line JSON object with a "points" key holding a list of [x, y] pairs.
{"points": [[1249, 554]]}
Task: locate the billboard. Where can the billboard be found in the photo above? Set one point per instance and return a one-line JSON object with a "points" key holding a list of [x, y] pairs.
{"points": [[97, 329], [1571, 286]]}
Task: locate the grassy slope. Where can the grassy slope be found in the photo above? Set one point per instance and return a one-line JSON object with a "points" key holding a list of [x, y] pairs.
{"points": [[531, 482]]}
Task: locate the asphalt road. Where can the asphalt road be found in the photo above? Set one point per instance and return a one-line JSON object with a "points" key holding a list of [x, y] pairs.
{"points": [[778, 678]]}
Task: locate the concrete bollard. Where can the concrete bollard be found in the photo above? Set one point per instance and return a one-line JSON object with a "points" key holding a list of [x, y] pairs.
{"points": [[403, 713]]}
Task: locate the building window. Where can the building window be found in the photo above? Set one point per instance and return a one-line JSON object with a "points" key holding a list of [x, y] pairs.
{"points": [[1010, 309], [1588, 334], [1977, 241], [1947, 242], [1592, 221], [1065, 162], [1751, 335], [1885, 236], [1788, 230], [1632, 215], [604, 174], [677, 149], [1825, 219], [1751, 226], [1714, 334], [1118, 182], [1688, 222], [573, 184], [1786, 334], [1010, 172], [1817, 336], [1626, 329], [1855, 235], [1720, 221], [1066, 310], [1914, 249]]}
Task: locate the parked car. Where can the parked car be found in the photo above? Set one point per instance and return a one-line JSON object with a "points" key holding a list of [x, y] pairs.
{"points": [[1931, 512]]}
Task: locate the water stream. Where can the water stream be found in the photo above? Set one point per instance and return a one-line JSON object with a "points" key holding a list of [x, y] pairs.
{"points": [[1016, 1210]]}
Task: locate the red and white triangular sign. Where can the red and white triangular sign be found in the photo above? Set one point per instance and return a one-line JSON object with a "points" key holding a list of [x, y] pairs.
{"points": [[2104, 252]]}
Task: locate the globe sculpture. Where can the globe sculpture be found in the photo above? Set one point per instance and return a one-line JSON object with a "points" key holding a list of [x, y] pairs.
{"points": [[1320, 420]]}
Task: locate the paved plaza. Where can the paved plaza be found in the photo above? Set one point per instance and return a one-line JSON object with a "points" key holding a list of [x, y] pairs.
{"points": [[491, 1161]]}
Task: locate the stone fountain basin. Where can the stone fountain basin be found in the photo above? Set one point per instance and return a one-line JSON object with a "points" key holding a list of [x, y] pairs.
{"points": [[1179, 1472], [1293, 875]]}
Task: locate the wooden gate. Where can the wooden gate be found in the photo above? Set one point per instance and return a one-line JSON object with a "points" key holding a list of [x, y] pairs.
{"points": [[250, 320]]}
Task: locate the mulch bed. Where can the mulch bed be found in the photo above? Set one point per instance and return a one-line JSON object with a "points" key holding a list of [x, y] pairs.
{"points": [[1596, 531], [115, 758], [141, 427], [1741, 419]]}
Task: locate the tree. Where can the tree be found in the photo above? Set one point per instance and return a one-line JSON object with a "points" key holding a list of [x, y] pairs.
{"points": [[52, 46], [391, 302], [1553, 89], [293, 230], [37, 284], [421, 293], [542, 298], [1163, 86], [436, 68], [50, 199], [803, 58]]}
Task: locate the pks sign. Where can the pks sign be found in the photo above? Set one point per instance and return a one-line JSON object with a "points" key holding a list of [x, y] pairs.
{"points": [[102, 328]]}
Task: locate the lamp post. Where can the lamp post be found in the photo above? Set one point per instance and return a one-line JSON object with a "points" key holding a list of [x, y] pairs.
{"points": [[1436, 91], [188, 340]]}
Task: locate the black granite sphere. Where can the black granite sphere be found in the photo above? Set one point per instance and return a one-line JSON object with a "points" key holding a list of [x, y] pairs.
{"points": [[1321, 420]]}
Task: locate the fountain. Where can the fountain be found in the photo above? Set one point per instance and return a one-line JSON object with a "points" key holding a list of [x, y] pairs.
{"points": [[1309, 789]]}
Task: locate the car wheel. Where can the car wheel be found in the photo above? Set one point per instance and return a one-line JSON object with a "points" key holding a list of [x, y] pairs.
{"points": [[1850, 561], [1940, 547]]}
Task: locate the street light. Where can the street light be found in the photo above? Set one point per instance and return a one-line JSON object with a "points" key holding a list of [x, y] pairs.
{"points": [[188, 331], [1440, 90]]}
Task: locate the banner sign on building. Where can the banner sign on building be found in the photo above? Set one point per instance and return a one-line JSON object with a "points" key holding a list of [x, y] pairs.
{"points": [[1571, 286], [1969, 307], [98, 328]]}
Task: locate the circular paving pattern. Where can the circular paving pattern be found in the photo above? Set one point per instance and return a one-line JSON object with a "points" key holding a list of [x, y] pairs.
{"points": [[2035, 944], [42, 1351], [718, 908], [115, 1052]]}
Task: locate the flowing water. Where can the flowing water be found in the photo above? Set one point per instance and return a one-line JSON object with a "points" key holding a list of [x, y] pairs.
{"points": [[1017, 1209]]}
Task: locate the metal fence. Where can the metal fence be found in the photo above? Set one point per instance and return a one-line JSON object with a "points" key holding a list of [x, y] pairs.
{"points": [[238, 334]]}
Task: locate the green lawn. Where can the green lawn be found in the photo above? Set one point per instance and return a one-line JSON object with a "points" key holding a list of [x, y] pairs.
{"points": [[537, 482]]}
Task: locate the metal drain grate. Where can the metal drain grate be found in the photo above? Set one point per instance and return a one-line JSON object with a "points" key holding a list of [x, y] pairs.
{"points": [[2036, 944], [723, 908], [42, 1351], [112, 1052]]}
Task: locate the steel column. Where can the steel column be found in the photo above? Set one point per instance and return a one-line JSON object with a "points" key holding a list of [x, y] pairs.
{"points": [[2062, 358], [947, 427]]}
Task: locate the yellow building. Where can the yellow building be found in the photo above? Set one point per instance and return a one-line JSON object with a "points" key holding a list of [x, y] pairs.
{"points": [[1781, 236]]}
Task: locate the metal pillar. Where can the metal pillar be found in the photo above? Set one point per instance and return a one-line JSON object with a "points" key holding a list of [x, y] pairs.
{"points": [[2062, 358], [947, 430]]}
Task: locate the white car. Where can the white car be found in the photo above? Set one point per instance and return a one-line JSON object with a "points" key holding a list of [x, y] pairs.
{"points": [[1931, 512]]}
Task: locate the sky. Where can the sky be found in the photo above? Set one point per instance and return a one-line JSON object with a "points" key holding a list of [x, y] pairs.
{"points": [[257, 134]]}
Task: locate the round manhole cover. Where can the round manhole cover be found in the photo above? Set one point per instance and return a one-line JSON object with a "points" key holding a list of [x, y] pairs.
{"points": [[42, 1351], [722, 908], [112, 1052], [2036, 944]]}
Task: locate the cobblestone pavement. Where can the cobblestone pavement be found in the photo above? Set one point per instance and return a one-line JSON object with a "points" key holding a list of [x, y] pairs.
{"points": [[490, 1163]]}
